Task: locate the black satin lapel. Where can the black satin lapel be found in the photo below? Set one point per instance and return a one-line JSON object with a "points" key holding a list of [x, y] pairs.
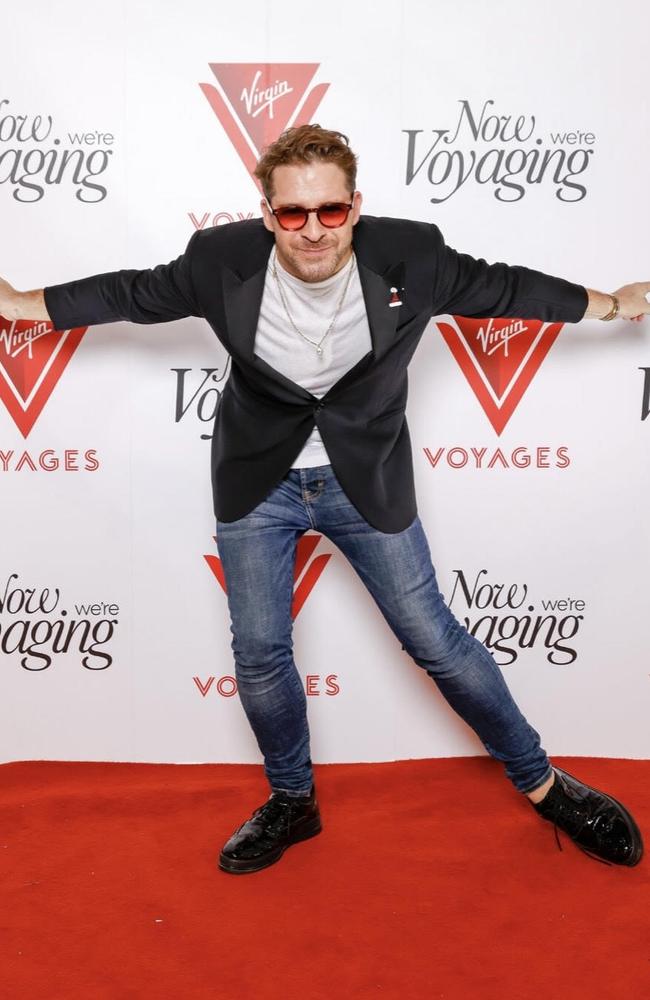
{"points": [[382, 317], [242, 301]]}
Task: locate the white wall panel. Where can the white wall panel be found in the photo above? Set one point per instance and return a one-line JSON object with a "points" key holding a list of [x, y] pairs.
{"points": [[135, 532]]}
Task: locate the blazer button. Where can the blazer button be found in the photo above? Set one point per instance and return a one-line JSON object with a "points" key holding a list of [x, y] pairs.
{"points": [[319, 406]]}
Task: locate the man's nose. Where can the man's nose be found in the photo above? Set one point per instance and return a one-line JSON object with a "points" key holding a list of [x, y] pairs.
{"points": [[312, 229]]}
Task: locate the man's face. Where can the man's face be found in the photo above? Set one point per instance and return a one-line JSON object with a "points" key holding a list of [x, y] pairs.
{"points": [[314, 252]]}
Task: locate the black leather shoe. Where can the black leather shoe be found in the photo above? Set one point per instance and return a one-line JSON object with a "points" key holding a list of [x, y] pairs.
{"points": [[262, 840], [597, 823]]}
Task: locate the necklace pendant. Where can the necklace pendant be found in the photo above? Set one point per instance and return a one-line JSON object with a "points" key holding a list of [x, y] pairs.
{"points": [[319, 351]]}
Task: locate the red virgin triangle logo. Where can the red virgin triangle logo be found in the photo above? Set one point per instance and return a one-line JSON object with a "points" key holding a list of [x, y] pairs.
{"points": [[33, 356], [304, 575], [255, 102], [499, 358]]}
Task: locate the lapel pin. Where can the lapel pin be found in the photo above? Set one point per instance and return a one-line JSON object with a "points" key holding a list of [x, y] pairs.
{"points": [[394, 298]]}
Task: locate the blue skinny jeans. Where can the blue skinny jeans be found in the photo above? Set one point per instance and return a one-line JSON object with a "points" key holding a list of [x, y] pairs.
{"points": [[258, 553]]}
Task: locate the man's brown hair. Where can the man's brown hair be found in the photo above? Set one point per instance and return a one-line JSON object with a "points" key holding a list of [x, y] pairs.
{"points": [[305, 144]]}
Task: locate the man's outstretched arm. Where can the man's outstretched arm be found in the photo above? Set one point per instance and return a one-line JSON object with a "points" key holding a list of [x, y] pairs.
{"points": [[153, 295], [468, 286]]}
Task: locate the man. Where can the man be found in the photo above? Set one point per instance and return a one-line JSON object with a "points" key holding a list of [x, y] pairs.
{"points": [[321, 309]]}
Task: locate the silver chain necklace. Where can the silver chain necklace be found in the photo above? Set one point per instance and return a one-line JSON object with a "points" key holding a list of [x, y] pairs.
{"points": [[319, 349]]}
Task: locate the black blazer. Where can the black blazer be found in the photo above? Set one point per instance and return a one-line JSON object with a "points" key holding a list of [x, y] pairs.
{"points": [[263, 418]]}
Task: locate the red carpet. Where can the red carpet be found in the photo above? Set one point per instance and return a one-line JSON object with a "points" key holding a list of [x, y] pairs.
{"points": [[431, 879]]}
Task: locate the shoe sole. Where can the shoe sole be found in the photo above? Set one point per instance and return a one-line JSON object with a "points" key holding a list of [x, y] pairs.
{"points": [[634, 858], [244, 867]]}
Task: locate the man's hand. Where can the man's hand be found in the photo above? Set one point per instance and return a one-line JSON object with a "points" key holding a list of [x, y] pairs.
{"points": [[632, 302], [7, 299], [22, 305]]}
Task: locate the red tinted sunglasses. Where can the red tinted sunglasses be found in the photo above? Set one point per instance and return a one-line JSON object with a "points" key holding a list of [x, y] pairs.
{"points": [[331, 215]]}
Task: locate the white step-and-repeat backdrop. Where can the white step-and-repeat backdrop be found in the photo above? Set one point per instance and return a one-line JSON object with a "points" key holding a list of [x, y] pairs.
{"points": [[523, 133]]}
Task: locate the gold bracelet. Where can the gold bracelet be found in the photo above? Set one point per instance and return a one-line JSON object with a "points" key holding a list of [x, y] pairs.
{"points": [[613, 312]]}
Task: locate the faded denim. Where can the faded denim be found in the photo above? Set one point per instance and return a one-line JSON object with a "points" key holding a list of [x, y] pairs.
{"points": [[258, 552]]}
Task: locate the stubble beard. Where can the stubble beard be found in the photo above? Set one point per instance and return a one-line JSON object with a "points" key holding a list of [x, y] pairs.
{"points": [[324, 267]]}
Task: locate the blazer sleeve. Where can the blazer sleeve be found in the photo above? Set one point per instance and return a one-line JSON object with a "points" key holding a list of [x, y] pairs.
{"points": [[155, 295], [465, 286]]}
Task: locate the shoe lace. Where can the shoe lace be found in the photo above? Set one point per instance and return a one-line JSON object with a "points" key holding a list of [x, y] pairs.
{"points": [[274, 814], [583, 849], [571, 813]]}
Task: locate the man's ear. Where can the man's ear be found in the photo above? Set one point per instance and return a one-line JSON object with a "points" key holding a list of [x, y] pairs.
{"points": [[356, 207], [266, 215]]}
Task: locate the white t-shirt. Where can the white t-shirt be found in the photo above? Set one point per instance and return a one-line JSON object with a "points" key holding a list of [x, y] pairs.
{"points": [[312, 306]]}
